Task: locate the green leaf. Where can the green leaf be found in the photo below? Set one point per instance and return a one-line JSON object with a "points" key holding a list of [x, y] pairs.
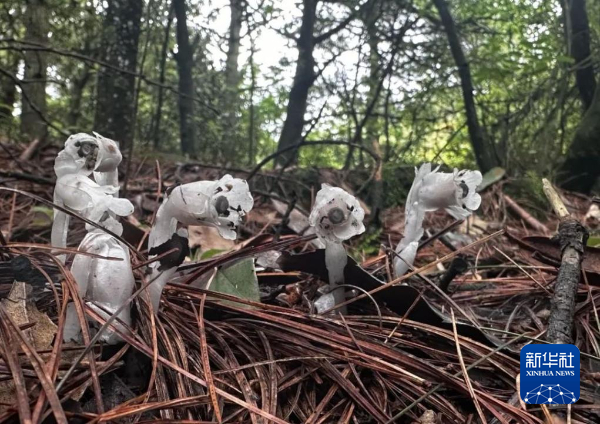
{"points": [[491, 177], [42, 216], [210, 253], [566, 59], [238, 280], [593, 241]]}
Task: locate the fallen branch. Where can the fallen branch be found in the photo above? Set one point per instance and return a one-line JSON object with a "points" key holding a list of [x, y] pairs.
{"points": [[572, 237], [525, 216], [27, 177]]}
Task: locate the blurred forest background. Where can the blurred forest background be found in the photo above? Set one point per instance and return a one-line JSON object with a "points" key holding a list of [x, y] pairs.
{"points": [[328, 83]]}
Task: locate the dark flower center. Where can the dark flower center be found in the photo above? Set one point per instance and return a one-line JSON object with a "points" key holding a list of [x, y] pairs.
{"points": [[465, 189], [336, 216], [222, 205], [88, 150]]}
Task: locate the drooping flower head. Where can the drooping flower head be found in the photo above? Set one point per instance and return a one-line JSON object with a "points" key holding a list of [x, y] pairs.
{"points": [[109, 155], [84, 154], [75, 189], [455, 192], [78, 157], [432, 190], [221, 204], [336, 215]]}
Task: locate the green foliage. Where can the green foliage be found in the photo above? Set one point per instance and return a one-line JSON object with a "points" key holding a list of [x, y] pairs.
{"points": [[527, 190], [397, 181], [238, 280], [368, 246], [521, 70]]}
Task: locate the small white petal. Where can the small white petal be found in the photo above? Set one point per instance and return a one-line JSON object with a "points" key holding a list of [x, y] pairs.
{"points": [[458, 212], [473, 201]]}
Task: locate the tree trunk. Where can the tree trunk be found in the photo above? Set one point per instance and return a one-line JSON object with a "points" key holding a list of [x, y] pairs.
{"points": [[185, 63], [303, 80], [370, 21], [580, 51], [116, 90], [34, 88], [251, 126], [161, 91], [482, 147], [77, 88], [8, 90], [232, 77], [372, 124], [581, 169]]}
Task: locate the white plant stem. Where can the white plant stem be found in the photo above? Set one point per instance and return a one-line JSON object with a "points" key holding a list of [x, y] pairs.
{"points": [[335, 261]]}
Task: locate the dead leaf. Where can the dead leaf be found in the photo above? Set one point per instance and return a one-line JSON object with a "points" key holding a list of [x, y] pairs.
{"points": [[263, 216], [428, 417], [24, 312], [208, 238]]}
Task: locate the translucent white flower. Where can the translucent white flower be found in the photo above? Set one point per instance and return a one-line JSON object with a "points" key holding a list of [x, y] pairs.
{"points": [[221, 204], [336, 215], [107, 163], [79, 156], [109, 155], [84, 154], [105, 284], [432, 190], [95, 200], [455, 192]]}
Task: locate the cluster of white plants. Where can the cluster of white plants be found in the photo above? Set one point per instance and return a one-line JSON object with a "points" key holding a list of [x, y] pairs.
{"points": [[87, 183], [454, 192]]}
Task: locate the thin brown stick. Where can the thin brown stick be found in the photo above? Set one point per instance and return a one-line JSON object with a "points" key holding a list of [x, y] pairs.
{"points": [[38, 365], [206, 361], [464, 370], [526, 216], [10, 356]]}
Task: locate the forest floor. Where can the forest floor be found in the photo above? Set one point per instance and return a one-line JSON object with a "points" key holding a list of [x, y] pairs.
{"points": [[399, 355]]}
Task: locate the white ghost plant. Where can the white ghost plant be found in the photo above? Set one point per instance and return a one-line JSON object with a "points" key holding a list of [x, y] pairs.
{"points": [[336, 216], [104, 284], [221, 204], [453, 191], [432, 190], [83, 155]]}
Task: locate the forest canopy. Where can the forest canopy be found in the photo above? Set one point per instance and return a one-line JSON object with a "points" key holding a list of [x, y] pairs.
{"points": [[329, 83]]}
